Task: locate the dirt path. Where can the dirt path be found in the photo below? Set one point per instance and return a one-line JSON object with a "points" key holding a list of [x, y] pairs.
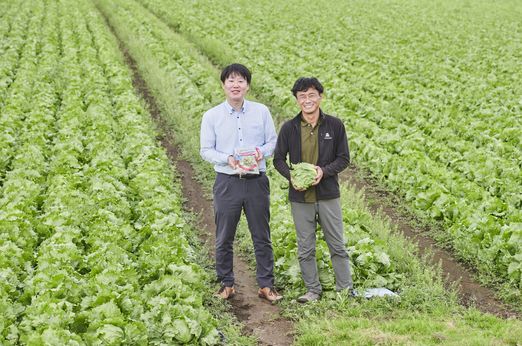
{"points": [[260, 318], [470, 291]]}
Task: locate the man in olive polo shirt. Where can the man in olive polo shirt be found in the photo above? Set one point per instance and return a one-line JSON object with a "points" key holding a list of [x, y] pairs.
{"points": [[320, 139]]}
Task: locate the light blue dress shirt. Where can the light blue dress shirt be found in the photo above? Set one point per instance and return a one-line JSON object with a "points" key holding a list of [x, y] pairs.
{"points": [[223, 130]]}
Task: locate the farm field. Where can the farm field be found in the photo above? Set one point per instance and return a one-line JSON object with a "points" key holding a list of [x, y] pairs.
{"points": [[95, 245], [99, 248], [429, 93]]}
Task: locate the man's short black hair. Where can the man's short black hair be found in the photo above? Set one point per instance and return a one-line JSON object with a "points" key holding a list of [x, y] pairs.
{"points": [[236, 69], [305, 83]]}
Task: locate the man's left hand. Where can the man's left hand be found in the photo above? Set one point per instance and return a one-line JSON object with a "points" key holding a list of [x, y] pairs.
{"points": [[259, 155], [319, 175]]}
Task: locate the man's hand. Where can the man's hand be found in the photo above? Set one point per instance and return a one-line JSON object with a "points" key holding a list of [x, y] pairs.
{"points": [[295, 188], [319, 175], [232, 162], [259, 155]]}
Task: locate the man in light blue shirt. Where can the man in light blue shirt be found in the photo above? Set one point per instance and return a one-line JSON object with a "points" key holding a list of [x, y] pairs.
{"points": [[238, 123]]}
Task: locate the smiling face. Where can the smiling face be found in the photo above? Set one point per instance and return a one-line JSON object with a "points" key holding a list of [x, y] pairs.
{"points": [[235, 87], [309, 101]]}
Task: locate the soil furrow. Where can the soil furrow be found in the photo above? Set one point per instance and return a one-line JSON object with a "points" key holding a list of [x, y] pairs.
{"points": [[471, 292]]}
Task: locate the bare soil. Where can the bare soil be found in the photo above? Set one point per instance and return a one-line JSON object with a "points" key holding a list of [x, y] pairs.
{"points": [[259, 317], [471, 292]]}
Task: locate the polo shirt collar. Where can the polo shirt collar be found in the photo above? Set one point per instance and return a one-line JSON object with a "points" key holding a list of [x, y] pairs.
{"points": [[303, 121]]}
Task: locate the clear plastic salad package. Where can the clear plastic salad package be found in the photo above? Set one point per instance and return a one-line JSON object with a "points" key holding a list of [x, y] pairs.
{"points": [[246, 160]]}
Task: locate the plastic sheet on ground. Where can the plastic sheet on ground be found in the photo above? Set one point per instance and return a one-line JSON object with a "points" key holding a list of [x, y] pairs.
{"points": [[379, 292]]}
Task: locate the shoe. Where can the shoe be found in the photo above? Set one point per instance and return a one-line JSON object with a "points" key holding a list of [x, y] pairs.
{"points": [[308, 297], [270, 294], [226, 292]]}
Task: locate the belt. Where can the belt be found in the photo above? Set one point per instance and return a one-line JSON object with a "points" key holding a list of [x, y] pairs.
{"points": [[247, 176]]}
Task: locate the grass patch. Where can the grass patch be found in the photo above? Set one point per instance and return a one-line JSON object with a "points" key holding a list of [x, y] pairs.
{"points": [[405, 328]]}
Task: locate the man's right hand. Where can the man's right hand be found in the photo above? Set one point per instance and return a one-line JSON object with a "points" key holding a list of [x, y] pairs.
{"points": [[295, 188], [232, 162]]}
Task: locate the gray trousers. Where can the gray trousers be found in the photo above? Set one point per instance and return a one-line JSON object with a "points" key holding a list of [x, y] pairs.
{"points": [[232, 195], [328, 214]]}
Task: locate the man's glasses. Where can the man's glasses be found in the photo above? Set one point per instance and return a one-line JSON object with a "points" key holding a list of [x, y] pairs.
{"points": [[311, 97]]}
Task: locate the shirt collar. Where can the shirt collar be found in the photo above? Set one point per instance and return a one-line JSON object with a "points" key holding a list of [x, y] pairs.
{"points": [[231, 110], [304, 123]]}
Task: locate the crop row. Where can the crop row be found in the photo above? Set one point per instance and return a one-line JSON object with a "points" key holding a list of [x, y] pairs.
{"points": [[172, 68], [21, 50], [24, 186], [96, 233], [443, 133]]}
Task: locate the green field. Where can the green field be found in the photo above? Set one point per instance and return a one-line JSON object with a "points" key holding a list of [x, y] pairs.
{"points": [[96, 248], [428, 91]]}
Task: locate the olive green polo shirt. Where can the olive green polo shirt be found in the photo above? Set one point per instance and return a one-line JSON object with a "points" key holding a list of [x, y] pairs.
{"points": [[310, 152]]}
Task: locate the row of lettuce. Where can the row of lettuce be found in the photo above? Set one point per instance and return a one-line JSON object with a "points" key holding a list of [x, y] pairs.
{"points": [[19, 53], [95, 246], [434, 116], [185, 84]]}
